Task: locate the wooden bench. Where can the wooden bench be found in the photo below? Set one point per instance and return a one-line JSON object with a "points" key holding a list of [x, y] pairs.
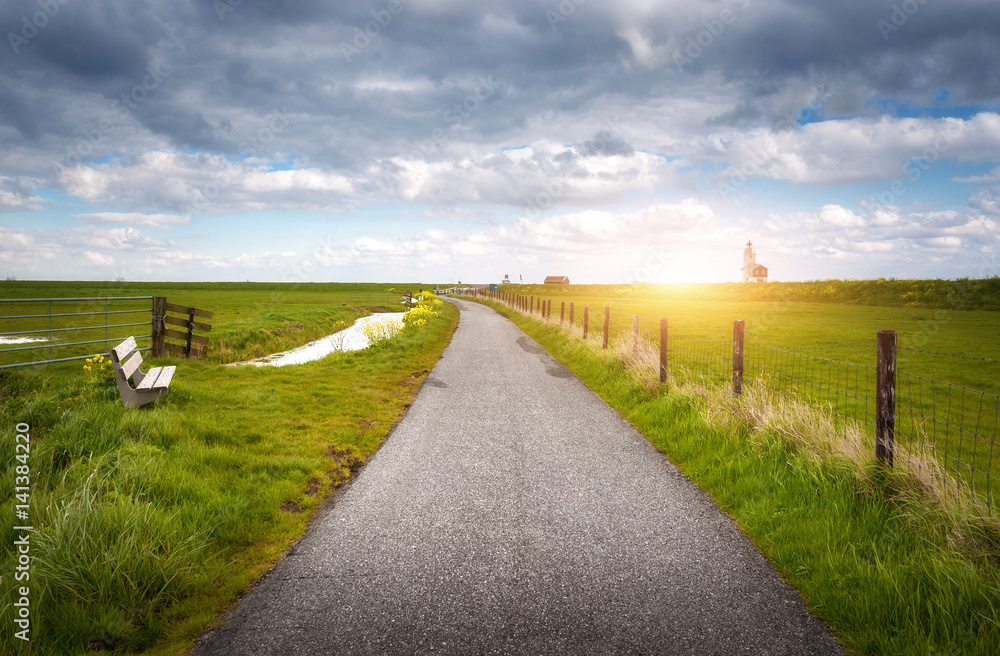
{"points": [[149, 386]]}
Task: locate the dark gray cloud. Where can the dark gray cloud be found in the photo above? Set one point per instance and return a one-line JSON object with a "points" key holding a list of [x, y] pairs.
{"points": [[354, 98], [605, 143]]}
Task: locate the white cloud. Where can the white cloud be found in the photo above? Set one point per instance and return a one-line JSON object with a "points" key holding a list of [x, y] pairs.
{"points": [[836, 215], [22, 250], [300, 180], [369, 245], [179, 258], [10, 202], [133, 218], [854, 150], [202, 183], [92, 259], [468, 249], [17, 195], [945, 242], [537, 177], [119, 239], [987, 201], [992, 176], [645, 54]]}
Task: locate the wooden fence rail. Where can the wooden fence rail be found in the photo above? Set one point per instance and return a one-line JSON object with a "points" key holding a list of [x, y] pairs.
{"points": [[191, 345]]}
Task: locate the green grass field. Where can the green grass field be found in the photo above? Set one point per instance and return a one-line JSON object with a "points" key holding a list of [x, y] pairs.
{"points": [[150, 521], [250, 319], [888, 570], [948, 379]]}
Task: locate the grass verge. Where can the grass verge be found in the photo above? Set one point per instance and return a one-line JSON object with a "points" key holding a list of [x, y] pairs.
{"points": [[149, 522], [889, 564]]}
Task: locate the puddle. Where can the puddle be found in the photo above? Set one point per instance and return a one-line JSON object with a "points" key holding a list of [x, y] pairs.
{"points": [[348, 339], [21, 340]]}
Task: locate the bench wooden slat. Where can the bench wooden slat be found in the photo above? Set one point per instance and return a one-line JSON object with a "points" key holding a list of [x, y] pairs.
{"points": [[163, 380], [195, 339], [123, 349], [174, 321], [158, 378], [133, 363], [148, 380]]}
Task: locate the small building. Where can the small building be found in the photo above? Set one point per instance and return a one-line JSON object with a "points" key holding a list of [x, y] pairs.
{"points": [[557, 280], [752, 272]]}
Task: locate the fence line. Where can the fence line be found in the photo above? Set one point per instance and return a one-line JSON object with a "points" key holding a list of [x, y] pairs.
{"points": [[366, 297], [37, 318], [957, 424], [71, 334]]}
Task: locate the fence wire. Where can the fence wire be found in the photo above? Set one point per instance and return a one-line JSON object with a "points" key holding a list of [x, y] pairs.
{"points": [[957, 424], [844, 389], [700, 358]]}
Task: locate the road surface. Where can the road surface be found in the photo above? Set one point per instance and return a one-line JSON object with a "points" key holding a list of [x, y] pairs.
{"points": [[511, 511]]}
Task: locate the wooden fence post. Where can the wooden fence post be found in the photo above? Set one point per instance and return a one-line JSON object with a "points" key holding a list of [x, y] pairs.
{"points": [[607, 322], [562, 311], [159, 325], [586, 319], [885, 397], [571, 315], [548, 310], [663, 350], [738, 330], [531, 308]]}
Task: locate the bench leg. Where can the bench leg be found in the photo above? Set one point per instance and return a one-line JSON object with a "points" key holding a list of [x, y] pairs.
{"points": [[131, 398]]}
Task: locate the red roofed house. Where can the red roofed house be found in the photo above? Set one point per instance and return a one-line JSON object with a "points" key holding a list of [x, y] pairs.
{"points": [[752, 272]]}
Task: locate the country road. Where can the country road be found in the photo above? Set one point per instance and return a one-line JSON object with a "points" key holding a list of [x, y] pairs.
{"points": [[512, 511]]}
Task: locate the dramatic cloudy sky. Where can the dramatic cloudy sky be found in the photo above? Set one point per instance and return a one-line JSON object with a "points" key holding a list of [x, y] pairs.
{"points": [[443, 140]]}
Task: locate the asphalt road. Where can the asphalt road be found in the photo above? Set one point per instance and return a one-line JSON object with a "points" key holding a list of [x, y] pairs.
{"points": [[513, 512]]}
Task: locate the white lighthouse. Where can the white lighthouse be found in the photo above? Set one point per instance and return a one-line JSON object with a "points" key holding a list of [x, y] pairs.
{"points": [[752, 272]]}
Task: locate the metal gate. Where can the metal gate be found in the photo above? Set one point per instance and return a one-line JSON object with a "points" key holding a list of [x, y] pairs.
{"points": [[45, 330]]}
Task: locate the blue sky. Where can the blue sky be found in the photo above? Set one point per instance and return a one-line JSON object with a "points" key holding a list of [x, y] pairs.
{"points": [[441, 140]]}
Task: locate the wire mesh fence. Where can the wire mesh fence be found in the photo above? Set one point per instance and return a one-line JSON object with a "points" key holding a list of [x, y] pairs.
{"points": [[699, 358], [958, 425], [845, 390]]}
